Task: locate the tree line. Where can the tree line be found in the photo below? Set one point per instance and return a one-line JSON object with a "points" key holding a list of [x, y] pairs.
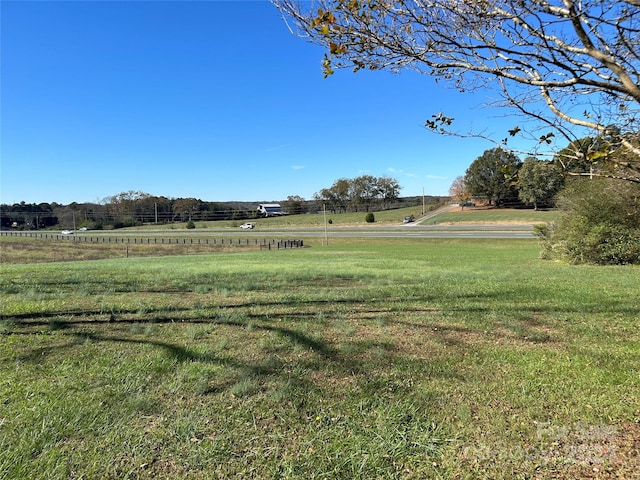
{"points": [[599, 218], [363, 193], [124, 209], [134, 208], [499, 178]]}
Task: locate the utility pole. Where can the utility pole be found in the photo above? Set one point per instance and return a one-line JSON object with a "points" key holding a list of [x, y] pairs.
{"points": [[326, 236]]}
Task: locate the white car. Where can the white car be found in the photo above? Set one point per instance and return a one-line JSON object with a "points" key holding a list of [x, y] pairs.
{"points": [[67, 232], [247, 226]]}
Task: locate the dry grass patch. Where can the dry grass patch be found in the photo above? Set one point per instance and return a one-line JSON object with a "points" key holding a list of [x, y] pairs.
{"points": [[17, 250]]}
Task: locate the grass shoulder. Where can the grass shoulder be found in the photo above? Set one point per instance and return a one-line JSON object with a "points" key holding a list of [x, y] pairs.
{"points": [[493, 216]]}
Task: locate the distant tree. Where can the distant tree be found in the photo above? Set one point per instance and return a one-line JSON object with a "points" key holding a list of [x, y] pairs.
{"points": [[323, 197], [388, 189], [144, 208], [186, 207], [45, 217], [362, 192], [459, 191], [491, 175], [122, 206], [294, 204], [336, 197], [27, 215], [162, 206], [539, 182]]}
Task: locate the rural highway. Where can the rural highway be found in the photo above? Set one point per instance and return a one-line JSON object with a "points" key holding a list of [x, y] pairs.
{"points": [[417, 231], [401, 230], [412, 230]]}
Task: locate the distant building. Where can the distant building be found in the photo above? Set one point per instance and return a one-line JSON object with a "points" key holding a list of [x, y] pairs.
{"points": [[270, 210]]}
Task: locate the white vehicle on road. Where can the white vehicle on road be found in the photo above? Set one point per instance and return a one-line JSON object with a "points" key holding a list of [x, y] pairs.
{"points": [[247, 226]]}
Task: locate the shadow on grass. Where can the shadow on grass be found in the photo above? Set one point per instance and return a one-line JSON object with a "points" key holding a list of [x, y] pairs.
{"points": [[511, 315], [515, 303], [344, 359]]}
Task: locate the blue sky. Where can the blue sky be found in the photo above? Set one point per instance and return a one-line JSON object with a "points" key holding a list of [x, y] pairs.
{"points": [[209, 99]]}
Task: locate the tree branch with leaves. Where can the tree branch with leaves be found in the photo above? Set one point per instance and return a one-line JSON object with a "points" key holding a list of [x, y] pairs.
{"points": [[571, 68]]}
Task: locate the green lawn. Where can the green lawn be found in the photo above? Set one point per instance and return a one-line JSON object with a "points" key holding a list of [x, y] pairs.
{"points": [[363, 359], [494, 216]]}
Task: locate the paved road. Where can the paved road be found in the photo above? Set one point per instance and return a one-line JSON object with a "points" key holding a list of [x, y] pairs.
{"points": [[393, 231], [408, 230], [419, 233], [417, 230], [457, 231], [434, 213], [485, 231]]}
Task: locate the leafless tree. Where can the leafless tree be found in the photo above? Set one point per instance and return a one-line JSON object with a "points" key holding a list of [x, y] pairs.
{"points": [[567, 68], [459, 191]]}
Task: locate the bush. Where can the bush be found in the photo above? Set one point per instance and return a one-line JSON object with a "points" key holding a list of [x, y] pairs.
{"points": [[370, 218], [191, 225], [599, 224], [128, 222]]}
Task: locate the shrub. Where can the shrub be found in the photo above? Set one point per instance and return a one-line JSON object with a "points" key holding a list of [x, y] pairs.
{"points": [[370, 218], [599, 224], [612, 244], [191, 225], [127, 222]]}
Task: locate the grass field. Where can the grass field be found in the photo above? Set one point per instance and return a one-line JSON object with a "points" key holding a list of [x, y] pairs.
{"points": [[316, 219], [496, 216], [478, 215], [23, 249], [363, 359]]}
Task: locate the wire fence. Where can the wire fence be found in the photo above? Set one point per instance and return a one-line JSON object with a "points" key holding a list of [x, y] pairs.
{"points": [[263, 244]]}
